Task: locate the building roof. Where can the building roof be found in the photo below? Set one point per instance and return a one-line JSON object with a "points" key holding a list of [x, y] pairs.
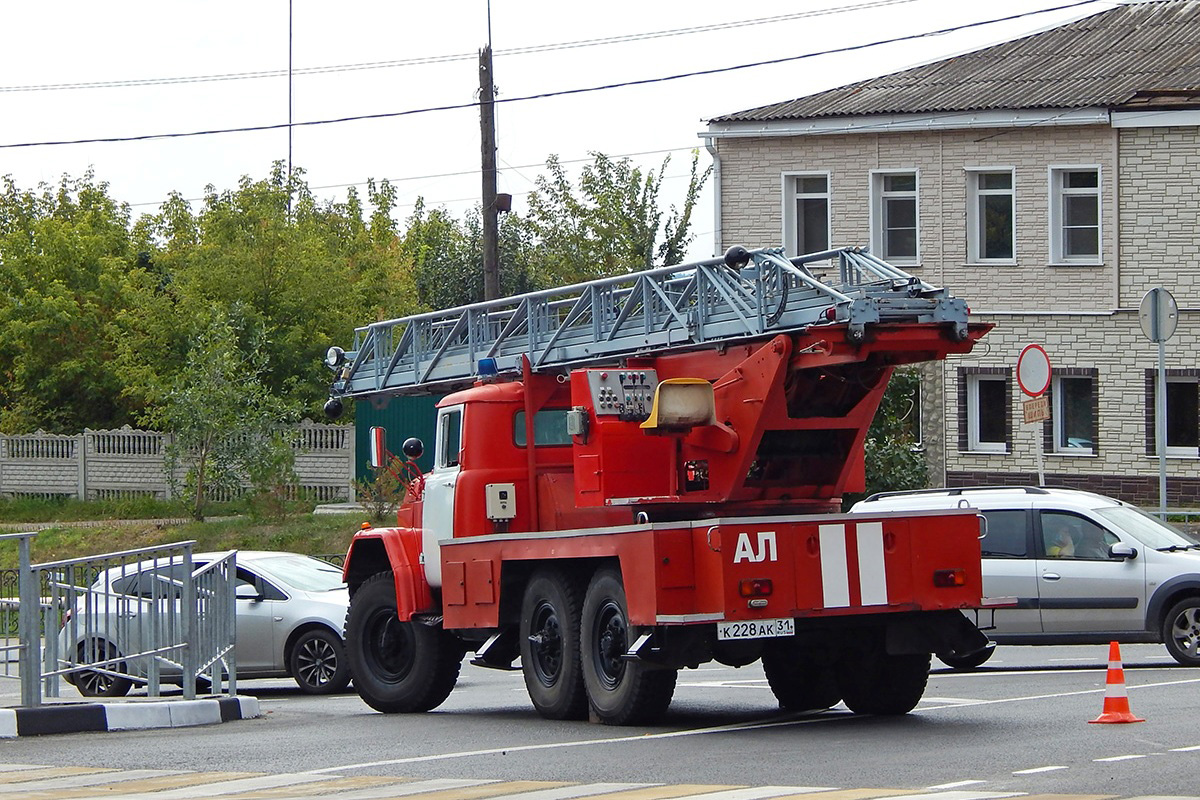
{"points": [[1145, 55]]}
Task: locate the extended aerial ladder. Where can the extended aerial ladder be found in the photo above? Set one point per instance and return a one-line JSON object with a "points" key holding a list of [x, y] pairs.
{"points": [[744, 295]]}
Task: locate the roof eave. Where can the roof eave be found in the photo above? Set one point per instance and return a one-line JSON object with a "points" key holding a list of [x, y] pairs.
{"points": [[897, 123]]}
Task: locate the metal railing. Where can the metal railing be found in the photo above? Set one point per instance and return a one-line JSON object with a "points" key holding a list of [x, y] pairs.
{"points": [[107, 622]]}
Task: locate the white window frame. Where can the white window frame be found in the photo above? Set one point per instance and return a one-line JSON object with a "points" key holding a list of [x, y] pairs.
{"points": [[1057, 217], [877, 197], [974, 443], [975, 197], [791, 194], [1176, 451], [1058, 415]]}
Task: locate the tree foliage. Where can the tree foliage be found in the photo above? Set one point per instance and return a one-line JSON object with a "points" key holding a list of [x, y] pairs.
{"points": [[225, 421], [893, 459], [102, 317]]}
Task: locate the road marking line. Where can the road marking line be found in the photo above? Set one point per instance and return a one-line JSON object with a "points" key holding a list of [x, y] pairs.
{"points": [[821, 716], [759, 792], [488, 790], [1036, 770], [957, 795], [848, 794], [955, 785], [1116, 758], [1185, 749]]}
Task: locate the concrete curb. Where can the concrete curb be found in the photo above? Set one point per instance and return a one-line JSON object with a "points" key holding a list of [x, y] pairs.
{"points": [[81, 717]]}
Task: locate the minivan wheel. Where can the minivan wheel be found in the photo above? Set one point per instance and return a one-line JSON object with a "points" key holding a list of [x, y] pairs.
{"points": [[1181, 631]]}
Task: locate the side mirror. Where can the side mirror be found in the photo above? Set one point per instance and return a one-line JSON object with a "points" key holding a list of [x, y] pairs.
{"points": [[245, 591], [1122, 550]]}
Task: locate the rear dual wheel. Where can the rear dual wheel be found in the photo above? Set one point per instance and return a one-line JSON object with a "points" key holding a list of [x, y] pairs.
{"points": [[799, 682], [620, 691], [876, 683], [550, 618]]}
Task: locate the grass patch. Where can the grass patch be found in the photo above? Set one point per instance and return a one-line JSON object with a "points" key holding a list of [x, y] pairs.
{"points": [[39, 509], [314, 534]]}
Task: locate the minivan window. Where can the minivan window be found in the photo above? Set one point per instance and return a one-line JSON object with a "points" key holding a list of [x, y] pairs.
{"points": [[1149, 530], [1005, 534]]}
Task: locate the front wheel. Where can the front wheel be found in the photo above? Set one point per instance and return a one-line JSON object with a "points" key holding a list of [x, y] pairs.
{"points": [[620, 691], [1181, 631], [318, 662], [397, 667]]}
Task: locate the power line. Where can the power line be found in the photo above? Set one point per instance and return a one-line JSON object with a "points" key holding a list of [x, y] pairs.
{"points": [[559, 93], [457, 174], [443, 59]]}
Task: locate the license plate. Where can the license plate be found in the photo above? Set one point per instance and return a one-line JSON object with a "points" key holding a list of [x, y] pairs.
{"points": [[756, 628]]}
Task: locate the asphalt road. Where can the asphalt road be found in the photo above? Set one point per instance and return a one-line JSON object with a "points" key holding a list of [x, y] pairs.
{"points": [[1018, 726]]}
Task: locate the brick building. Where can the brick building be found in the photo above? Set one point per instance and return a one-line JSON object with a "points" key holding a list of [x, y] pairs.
{"points": [[1050, 181]]}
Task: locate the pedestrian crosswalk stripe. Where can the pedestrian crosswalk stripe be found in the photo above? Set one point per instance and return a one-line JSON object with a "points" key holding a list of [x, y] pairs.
{"points": [[38, 773], [332, 785], [56, 785], [664, 791], [113, 785], [489, 790], [848, 794], [579, 790]]}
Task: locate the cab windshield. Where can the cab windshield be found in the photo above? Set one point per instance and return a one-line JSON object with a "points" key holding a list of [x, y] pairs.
{"points": [[1149, 530]]}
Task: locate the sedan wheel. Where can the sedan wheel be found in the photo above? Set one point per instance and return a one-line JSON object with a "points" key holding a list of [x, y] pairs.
{"points": [[1181, 632], [318, 662], [92, 683]]}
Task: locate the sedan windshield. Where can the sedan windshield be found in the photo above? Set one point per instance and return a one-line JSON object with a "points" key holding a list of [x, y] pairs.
{"points": [[301, 572], [1149, 530]]}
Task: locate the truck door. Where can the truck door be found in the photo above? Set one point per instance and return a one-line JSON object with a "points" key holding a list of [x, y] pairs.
{"points": [[437, 518]]}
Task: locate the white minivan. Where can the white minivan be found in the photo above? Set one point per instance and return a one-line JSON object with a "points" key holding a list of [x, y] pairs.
{"points": [[1083, 568]]}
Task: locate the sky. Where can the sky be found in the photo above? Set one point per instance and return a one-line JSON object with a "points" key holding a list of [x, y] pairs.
{"points": [[73, 70]]}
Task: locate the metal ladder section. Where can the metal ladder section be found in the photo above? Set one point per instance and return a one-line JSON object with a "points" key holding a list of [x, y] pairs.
{"points": [[745, 295]]}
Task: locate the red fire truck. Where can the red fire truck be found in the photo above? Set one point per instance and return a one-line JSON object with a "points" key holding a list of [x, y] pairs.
{"points": [[644, 473]]}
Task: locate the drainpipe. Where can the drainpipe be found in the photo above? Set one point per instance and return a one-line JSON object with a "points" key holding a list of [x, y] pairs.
{"points": [[716, 157]]}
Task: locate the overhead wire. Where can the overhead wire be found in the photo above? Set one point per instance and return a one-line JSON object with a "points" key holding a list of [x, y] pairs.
{"points": [[556, 93], [442, 59]]}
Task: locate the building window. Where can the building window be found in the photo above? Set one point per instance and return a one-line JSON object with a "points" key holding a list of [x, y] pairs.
{"points": [[990, 215], [806, 213], [984, 413], [894, 231], [1075, 215], [1073, 413], [1183, 412]]}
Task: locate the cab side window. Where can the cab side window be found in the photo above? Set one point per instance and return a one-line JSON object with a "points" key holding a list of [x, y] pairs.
{"points": [[449, 438], [1006, 534]]}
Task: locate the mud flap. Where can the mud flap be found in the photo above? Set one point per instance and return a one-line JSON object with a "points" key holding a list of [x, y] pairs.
{"points": [[947, 632]]}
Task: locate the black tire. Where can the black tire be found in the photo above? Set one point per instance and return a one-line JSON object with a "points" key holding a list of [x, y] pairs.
{"points": [[881, 684], [966, 662], [318, 662], [798, 682], [550, 614], [1181, 631], [397, 667], [100, 684], [620, 692]]}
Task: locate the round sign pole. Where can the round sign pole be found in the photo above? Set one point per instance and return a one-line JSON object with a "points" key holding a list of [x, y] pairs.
{"points": [[1158, 315], [1033, 376]]}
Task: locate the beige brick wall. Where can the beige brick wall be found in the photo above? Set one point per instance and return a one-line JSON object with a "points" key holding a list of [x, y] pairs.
{"points": [[1160, 213], [1085, 316], [752, 203]]}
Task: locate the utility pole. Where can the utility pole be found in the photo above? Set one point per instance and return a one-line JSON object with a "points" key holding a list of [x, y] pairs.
{"points": [[487, 129]]}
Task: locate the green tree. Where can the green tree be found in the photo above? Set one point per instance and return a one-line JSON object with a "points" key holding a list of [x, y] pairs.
{"points": [[67, 271], [893, 460], [611, 224], [225, 422]]}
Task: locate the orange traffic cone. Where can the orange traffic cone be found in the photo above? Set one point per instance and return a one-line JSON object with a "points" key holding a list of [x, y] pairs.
{"points": [[1116, 702]]}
